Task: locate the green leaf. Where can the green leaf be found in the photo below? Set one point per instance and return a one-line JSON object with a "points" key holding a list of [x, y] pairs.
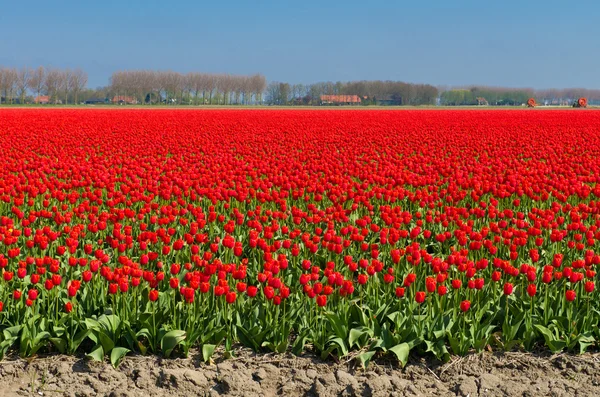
{"points": [[117, 355], [341, 344], [58, 331], [79, 337], [378, 344], [207, 351], [387, 336], [585, 341], [97, 354], [41, 336], [394, 316], [299, 343], [38, 342], [170, 340], [282, 346], [90, 323], [438, 348], [552, 342], [337, 325], [5, 345], [401, 351], [145, 332], [365, 358], [510, 331], [356, 334], [248, 339], [142, 347], [107, 343], [12, 332], [326, 352], [269, 345], [110, 322], [60, 344]]}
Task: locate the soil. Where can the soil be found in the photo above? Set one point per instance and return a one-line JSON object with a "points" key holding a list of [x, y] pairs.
{"points": [[249, 374]]}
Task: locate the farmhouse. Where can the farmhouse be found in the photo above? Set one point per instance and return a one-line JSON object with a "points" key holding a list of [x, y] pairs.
{"points": [[122, 99], [42, 99], [340, 100]]}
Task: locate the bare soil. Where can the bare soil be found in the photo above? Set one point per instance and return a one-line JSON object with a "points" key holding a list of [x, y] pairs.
{"points": [[248, 374]]}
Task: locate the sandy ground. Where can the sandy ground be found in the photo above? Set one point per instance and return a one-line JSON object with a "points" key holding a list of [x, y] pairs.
{"points": [[486, 374]]}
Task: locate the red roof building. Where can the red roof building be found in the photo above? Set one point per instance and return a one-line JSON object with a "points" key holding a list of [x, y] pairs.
{"points": [[340, 99], [129, 100], [42, 99]]}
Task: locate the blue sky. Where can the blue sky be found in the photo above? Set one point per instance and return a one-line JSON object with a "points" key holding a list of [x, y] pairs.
{"points": [[538, 44]]}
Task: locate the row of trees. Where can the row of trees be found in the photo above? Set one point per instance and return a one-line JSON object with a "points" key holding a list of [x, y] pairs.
{"points": [[566, 95], [193, 88], [60, 85], [486, 96], [371, 92], [514, 96], [22, 85]]}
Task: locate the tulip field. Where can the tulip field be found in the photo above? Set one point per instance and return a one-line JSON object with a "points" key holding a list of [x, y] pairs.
{"points": [[338, 232]]}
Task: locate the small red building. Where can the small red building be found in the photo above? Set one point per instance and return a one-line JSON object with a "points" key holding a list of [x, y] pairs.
{"points": [[340, 100], [42, 99]]}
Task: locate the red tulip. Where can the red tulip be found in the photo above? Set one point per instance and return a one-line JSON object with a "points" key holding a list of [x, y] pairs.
{"points": [[465, 305], [321, 300], [32, 294], [153, 295], [420, 297], [251, 291], [230, 297]]}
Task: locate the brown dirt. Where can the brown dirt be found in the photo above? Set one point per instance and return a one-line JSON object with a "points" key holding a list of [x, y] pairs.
{"points": [[487, 374]]}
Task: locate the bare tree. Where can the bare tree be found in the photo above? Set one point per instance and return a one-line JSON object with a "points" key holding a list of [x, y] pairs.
{"points": [[23, 80], [222, 87], [171, 82], [64, 79], [212, 84], [52, 84], [2, 72], [38, 81], [8, 83], [193, 80], [77, 82], [259, 85]]}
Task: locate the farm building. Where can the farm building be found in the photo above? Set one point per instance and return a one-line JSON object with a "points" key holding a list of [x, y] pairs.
{"points": [[42, 99], [340, 100], [122, 99], [387, 100], [96, 101]]}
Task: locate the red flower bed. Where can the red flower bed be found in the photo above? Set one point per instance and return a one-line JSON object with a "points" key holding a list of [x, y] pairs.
{"points": [[160, 230]]}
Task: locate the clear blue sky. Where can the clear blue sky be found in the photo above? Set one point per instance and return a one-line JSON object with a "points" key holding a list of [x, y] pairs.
{"points": [[533, 43]]}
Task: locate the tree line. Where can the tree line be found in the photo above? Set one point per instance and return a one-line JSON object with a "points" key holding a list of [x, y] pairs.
{"points": [[558, 96], [375, 92], [60, 85], [499, 96], [194, 88], [69, 86]]}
